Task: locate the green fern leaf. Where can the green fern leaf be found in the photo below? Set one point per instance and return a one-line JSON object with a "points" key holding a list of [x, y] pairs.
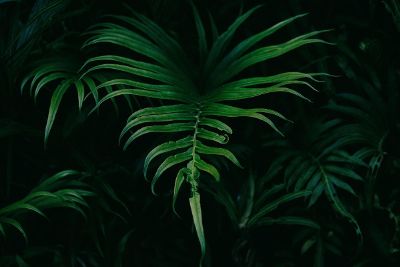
{"points": [[194, 96]]}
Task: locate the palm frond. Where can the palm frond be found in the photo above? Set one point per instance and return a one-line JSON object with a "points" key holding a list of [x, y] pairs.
{"points": [[324, 166], [61, 75], [163, 72], [57, 191]]}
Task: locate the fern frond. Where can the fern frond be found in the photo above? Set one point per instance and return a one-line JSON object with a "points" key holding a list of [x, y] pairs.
{"points": [[325, 167], [63, 73], [57, 191], [157, 66]]}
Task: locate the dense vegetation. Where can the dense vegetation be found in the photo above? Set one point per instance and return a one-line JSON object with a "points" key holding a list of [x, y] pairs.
{"points": [[115, 118]]}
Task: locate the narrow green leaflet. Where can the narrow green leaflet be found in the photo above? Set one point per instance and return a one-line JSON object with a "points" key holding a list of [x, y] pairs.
{"points": [[180, 178], [195, 207], [275, 204], [54, 105], [168, 163], [168, 128], [14, 223], [204, 166], [203, 149], [165, 148]]}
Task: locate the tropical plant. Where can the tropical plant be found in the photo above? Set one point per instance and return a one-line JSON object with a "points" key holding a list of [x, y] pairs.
{"points": [[322, 164], [200, 88], [57, 191], [189, 95]]}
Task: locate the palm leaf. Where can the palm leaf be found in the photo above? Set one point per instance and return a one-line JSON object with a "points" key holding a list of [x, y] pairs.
{"points": [[57, 191], [325, 167], [52, 71], [162, 70]]}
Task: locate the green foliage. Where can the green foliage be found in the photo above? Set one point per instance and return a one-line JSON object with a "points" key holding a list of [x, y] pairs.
{"points": [[322, 165], [393, 7], [199, 88], [194, 75], [258, 204], [57, 191]]}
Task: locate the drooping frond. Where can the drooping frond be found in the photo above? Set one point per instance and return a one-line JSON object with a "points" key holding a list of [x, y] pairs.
{"points": [[57, 191], [61, 75]]}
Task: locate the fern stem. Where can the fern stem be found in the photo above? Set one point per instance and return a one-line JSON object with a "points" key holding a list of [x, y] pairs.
{"points": [[194, 200], [192, 178]]}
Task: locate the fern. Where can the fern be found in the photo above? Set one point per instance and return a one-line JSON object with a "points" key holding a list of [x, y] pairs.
{"points": [[323, 243], [201, 91], [370, 113], [61, 75], [59, 70], [323, 165], [255, 203], [54, 192]]}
